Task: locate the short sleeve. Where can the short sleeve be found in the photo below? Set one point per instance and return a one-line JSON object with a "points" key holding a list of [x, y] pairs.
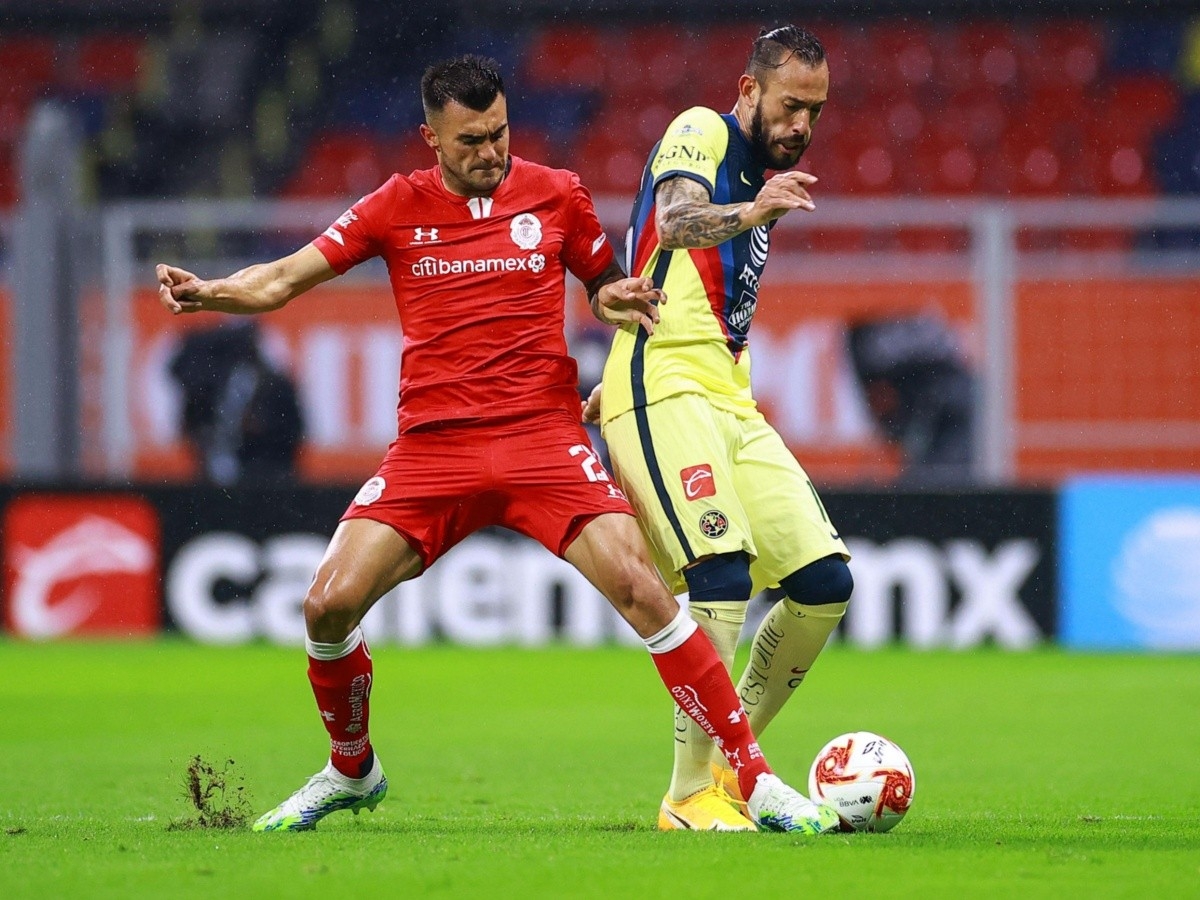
{"points": [[694, 145], [586, 249], [357, 234]]}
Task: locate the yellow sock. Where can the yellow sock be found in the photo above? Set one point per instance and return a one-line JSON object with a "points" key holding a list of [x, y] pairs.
{"points": [[691, 771], [784, 649]]}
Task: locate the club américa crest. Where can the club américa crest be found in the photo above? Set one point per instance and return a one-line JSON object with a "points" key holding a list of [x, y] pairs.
{"points": [[714, 523]]}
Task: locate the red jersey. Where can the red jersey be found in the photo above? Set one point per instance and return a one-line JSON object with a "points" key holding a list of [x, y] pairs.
{"points": [[479, 284]]}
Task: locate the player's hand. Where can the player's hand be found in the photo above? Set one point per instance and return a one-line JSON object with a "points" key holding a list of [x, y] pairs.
{"points": [[178, 290], [631, 300], [591, 406], [781, 194]]}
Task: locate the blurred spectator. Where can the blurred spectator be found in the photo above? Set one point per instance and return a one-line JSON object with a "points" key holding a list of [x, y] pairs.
{"points": [[920, 391], [240, 413]]}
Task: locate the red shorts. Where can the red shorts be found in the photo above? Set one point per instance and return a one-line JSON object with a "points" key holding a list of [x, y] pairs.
{"points": [[537, 475]]}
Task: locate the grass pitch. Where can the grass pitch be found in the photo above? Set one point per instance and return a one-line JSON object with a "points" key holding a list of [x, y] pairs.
{"points": [[538, 774]]}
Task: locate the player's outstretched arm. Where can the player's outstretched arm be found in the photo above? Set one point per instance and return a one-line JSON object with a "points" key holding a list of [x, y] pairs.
{"points": [[255, 289], [617, 300], [687, 219]]}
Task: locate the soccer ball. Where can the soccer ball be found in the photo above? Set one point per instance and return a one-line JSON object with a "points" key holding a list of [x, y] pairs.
{"points": [[866, 778]]}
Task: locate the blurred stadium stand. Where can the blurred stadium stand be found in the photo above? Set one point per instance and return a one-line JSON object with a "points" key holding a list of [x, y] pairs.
{"points": [[234, 100], [239, 100]]}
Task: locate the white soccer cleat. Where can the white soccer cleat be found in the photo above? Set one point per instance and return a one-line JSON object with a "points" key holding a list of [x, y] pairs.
{"points": [[326, 792], [776, 807]]}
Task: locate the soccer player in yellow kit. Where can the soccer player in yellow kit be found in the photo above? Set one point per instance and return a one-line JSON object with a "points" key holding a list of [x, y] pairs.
{"points": [[725, 506]]}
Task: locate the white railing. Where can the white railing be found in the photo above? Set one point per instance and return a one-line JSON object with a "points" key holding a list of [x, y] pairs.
{"points": [[991, 264]]}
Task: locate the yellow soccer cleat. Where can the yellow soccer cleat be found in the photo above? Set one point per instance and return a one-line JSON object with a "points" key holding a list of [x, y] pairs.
{"points": [[706, 810], [726, 782]]}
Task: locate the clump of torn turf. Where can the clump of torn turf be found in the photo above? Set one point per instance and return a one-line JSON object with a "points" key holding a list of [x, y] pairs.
{"points": [[217, 795]]}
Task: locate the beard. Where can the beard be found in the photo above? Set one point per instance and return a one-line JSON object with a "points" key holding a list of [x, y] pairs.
{"points": [[761, 148]]}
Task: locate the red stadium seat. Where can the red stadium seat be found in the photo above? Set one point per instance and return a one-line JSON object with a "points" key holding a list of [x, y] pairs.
{"points": [[661, 59], [1125, 170], [110, 61], [339, 164], [901, 59], [404, 154], [567, 55], [8, 177], [1065, 52], [724, 50], [29, 64], [13, 111], [978, 119], [1037, 170], [957, 169], [609, 164], [1137, 106], [531, 144]]}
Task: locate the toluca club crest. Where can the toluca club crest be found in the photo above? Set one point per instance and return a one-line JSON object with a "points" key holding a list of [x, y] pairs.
{"points": [[526, 231]]}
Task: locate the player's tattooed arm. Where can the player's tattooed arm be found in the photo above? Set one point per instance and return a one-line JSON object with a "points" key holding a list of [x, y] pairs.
{"points": [[687, 219], [618, 300]]}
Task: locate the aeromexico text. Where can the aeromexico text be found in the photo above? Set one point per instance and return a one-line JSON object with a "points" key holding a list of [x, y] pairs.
{"points": [[495, 589]]}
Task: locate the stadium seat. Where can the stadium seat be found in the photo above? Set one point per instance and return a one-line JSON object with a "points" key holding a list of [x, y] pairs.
{"points": [[404, 153], [1066, 51], [902, 61], [566, 55], [8, 176], [29, 64], [339, 164], [994, 49], [565, 111], [536, 146], [1176, 159], [663, 58], [108, 62], [1126, 170], [724, 50], [13, 111], [1039, 170], [956, 169], [1137, 106], [1145, 44]]}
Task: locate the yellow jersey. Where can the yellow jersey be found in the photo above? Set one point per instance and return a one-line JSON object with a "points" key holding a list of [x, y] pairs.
{"points": [[700, 344]]}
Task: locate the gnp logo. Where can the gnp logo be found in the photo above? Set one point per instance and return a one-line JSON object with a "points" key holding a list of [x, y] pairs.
{"points": [[83, 564]]}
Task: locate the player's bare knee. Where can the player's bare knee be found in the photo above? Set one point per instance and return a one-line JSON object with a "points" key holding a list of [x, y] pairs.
{"points": [[824, 582], [640, 596], [330, 612]]}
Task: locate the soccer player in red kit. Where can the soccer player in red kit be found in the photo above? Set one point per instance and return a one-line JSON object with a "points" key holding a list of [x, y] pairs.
{"points": [[477, 248]]}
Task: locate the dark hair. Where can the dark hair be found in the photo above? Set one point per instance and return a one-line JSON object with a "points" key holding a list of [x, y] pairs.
{"points": [[775, 46], [474, 81]]}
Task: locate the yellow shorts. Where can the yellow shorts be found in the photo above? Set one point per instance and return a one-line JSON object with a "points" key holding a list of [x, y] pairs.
{"points": [[705, 481]]}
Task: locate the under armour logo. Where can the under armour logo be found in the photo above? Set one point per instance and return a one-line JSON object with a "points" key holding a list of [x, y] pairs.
{"points": [[425, 236]]}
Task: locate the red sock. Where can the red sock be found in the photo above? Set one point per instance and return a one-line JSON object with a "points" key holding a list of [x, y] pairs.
{"points": [[342, 687], [699, 682]]}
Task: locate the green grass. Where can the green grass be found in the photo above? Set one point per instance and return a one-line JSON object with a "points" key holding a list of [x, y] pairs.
{"points": [[538, 774]]}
